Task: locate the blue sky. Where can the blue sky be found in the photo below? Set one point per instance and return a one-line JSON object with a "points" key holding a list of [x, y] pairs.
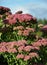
{"points": [[37, 8]]}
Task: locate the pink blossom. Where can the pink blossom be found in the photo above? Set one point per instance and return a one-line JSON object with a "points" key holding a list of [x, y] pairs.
{"points": [[14, 28], [25, 33], [20, 48], [33, 54], [44, 42], [9, 20], [20, 27], [12, 50], [10, 44], [24, 41], [21, 42], [40, 43], [20, 56], [20, 18], [9, 47], [2, 49], [20, 32], [12, 21], [27, 48], [27, 57], [37, 44], [9, 17], [36, 48], [30, 29]]}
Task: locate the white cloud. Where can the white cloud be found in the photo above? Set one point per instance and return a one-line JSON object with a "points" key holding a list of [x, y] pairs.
{"points": [[38, 10], [20, 8]]}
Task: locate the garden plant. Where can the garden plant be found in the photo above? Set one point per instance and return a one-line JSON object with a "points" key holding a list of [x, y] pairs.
{"points": [[23, 39]]}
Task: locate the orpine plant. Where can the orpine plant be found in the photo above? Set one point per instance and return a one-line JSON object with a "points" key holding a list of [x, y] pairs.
{"points": [[19, 52], [20, 18], [19, 26], [19, 31]]}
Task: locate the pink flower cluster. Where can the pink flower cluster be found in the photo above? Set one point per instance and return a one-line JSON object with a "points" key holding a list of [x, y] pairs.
{"points": [[25, 32], [30, 29], [7, 47], [12, 19], [9, 21], [21, 46], [10, 46], [41, 42], [27, 57], [18, 28], [33, 54]]}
